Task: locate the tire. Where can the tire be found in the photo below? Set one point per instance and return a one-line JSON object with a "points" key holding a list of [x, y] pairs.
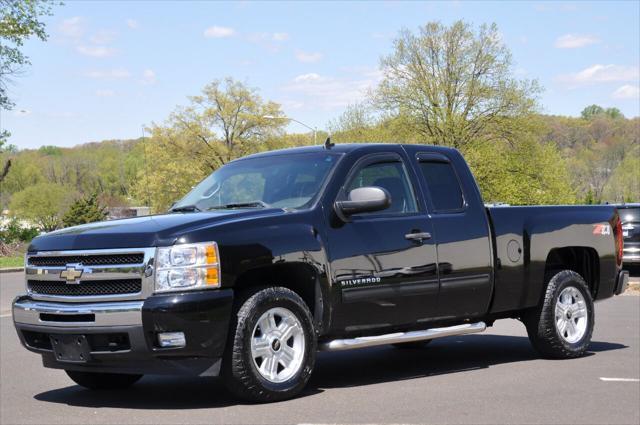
{"points": [[562, 326], [276, 323], [102, 381], [414, 345]]}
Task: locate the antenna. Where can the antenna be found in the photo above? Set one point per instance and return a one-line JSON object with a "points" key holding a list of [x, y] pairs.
{"points": [[146, 169], [327, 143]]}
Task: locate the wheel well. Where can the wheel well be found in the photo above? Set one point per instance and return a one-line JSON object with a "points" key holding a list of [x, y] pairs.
{"points": [[301, 278], [582, 260]]}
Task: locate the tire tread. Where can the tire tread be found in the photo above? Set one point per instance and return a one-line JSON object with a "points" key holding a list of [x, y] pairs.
{"points": [[540, 321]]}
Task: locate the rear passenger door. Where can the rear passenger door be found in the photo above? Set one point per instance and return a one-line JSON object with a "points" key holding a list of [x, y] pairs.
{"points": [[461, 232]]}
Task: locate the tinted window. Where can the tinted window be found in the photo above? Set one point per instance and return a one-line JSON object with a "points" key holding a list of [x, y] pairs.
{"points": [[443, 185], [392, 177]]}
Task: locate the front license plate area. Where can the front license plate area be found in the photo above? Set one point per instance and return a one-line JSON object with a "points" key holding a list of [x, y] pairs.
{"points": [[71, 348]]}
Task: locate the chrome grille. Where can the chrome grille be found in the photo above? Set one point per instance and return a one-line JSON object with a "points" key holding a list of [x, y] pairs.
{"points": [[88, 260], [107, 275], [87, 288]]}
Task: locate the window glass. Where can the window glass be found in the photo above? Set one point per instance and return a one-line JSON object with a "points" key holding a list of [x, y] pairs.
{"points": [[280, 181], [392, 177], [443, 185]]}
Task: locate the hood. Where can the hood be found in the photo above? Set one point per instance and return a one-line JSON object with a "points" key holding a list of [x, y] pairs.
{"points": [[141, 232]]}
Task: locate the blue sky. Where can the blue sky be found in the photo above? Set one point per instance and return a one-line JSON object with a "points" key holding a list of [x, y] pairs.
{"points": [[109, 68]]}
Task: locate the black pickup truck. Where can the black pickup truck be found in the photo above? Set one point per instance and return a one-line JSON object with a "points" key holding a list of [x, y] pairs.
{"points": [[281, 254]]}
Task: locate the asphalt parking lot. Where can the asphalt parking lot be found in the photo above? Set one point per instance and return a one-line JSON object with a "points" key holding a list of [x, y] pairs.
{"points": [[494, 377]]}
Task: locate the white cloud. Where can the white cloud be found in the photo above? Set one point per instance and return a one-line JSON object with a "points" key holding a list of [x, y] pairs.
{"points": [[219, 32], [103, 37], [105, 93], [574, 41], [312, 76], [602, 74], [626, 92], [109, 74], [96, 51], [132, 24], [308, 57], [329, 92], [72, 27], [268, 40], [22, 112], [280, 36], [148, 77]]}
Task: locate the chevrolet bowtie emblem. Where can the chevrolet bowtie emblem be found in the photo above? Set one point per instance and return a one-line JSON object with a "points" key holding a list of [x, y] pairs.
{"points": [[72, 273]]}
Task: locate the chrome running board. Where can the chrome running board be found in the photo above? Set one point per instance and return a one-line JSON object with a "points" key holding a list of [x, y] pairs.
{"points": [[398, 337]]}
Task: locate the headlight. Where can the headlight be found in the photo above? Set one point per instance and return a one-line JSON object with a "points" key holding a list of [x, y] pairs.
{"points": [[187, 267]]}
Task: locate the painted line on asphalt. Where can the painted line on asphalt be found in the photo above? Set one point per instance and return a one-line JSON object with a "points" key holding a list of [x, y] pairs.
{"points": [[619, 379]]}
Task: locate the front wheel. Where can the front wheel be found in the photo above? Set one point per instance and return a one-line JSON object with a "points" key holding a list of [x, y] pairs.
{"points": [[102, 381], [272, 347], [562, 326]]}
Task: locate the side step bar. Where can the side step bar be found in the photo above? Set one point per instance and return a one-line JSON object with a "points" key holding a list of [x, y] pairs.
{"points": [[394, 338]]}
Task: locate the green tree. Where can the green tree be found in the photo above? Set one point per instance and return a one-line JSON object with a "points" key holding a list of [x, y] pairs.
{"points": [[624, 184], [614, 113], [84, 210], [44, 204], [19, 21], [455, 85], [227, 121], [525, 173], [591, 111], [170, 170]]}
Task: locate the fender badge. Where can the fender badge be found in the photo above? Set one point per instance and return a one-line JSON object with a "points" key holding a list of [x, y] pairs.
{"points": [[601, 229]]}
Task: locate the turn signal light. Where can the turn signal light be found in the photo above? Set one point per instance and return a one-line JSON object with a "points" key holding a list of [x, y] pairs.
{"points": [[211, 255], [212, 277]]}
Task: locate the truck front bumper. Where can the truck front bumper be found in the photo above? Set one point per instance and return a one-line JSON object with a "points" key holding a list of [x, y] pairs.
{"points": [[122, 337]]}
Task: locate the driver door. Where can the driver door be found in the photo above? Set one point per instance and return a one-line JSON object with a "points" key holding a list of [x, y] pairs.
{"points": [[386, 275]]}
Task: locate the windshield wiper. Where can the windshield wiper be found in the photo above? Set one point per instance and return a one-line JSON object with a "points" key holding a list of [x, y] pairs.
{"points": [[252, 204], [185, 208]]}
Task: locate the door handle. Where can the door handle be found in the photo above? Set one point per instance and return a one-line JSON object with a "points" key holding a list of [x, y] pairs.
{"points": [[418, 237]]}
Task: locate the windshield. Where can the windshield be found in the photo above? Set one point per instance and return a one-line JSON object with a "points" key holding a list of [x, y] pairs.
{"points": [[280, 181]]}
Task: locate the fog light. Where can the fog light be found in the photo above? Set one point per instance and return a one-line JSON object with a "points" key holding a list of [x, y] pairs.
{"points": [[172, 339]]}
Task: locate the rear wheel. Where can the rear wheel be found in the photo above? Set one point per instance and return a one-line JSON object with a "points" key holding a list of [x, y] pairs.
{"points": [[272, 347], [562, 326], [102, 381]]}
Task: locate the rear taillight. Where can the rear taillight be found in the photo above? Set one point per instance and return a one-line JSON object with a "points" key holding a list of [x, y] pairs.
{"points": [[617, 234]]}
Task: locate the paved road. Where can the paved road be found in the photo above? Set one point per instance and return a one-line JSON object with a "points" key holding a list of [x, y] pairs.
{"points": [[493, 377]]}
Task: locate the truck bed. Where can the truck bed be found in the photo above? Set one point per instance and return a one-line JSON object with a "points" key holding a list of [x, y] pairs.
{"points": [[525, 237]]}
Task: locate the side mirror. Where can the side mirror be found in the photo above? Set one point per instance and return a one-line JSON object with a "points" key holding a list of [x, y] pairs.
{"points": [[362, 200]]}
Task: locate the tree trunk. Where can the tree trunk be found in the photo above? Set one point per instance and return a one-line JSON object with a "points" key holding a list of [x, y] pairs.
{"points": [[5, 170]]}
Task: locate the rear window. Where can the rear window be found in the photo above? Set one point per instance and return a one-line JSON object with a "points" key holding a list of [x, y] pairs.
{"points": [[443, 185]]}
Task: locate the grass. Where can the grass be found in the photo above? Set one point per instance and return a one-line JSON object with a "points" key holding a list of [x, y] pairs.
{"points": [[17, 261]]}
